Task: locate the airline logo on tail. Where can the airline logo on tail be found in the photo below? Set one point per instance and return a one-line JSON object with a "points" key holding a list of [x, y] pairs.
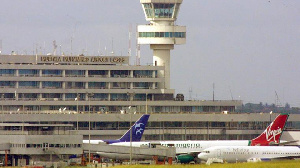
{"points": [[139, 128], [273, 132]]}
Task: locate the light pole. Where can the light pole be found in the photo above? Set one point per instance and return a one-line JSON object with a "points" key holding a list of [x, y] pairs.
{"points": [[90, 95], [77, 99], [270, 116], [146, 103], [2, 97], [131, 96]]}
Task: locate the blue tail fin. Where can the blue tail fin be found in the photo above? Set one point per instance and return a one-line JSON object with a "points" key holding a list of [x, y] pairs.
{"points": [[137, 130]]}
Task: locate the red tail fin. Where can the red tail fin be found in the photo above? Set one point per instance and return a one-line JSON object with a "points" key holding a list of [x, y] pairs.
{"points": [[273, 132]]}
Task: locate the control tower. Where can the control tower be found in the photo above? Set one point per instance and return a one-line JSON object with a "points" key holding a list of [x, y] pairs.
{"points": [[162, 33]]}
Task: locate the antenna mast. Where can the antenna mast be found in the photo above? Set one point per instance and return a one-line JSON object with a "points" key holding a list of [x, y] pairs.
{"points": [[112, 46], [277, 101], [99, 49], [0, 47], [129, 41], [138, 52], [54, 47], [230, 93], [213, 91], [190, 91]]}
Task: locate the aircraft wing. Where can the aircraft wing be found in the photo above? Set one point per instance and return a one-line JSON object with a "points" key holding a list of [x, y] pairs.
{"points": [[287, 142], [275, 158]]}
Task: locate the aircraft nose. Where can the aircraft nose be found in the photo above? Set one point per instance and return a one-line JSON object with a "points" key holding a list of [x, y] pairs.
{"points": [[202, 156]]}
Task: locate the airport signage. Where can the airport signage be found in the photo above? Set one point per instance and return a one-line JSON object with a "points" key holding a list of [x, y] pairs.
{"points": [[85, 59]]}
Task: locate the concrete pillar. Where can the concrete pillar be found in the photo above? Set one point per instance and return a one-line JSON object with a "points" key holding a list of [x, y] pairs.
{"points": [[131, 76], [108, 75], [86, 85]]}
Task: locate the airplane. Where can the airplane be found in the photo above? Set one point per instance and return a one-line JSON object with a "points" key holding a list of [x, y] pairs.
{"points": [[187, 151], [233, 154], [137, 130]]}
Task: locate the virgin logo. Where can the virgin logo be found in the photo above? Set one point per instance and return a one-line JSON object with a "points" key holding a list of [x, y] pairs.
{"points": [[271, 134]]}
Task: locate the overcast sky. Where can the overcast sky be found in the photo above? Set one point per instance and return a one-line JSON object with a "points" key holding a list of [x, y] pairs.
{"points": [[249, 48]]}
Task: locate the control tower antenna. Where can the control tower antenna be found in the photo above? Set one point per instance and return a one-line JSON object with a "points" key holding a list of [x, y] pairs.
{"points": [[112, 46], [99, 48], [162, 33], [191, 92], [54, 47], [129, 41], [0, 47]]}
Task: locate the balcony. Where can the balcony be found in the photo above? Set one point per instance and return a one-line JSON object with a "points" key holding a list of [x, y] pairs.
{"points": [[98, 76], [52, 75], [29, 75]]}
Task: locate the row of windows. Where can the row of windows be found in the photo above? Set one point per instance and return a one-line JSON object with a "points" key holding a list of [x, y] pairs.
{"points": [[45, 145], [77, 85], [281, 153], [239, 153], [163, 34], [72, 96], [264, 153], [35, 72]]}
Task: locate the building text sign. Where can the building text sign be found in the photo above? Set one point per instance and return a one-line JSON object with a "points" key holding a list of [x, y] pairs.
{"points": [[85, 59]]}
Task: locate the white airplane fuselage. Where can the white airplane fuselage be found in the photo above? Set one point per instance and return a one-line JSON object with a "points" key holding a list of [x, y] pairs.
{"points": [[249, 153], [187, 147]]}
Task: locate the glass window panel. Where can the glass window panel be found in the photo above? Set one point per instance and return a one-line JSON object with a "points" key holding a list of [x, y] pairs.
{"points": [[71, 96], [52, 72], [7, 84], [52, 84], [161, 34], [157, 13], [167, 34], [148, 34], [156, 34], [28, 71], [29, 84], [9, 72]]}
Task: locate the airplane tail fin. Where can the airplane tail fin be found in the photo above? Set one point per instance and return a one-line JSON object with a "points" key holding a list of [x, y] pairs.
{"points": [[137, 130], [272, 134]]}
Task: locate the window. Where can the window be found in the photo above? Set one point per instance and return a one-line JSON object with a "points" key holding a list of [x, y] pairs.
{"points": [[52, 72], [29, 84], [28, 72], [7, 72]]}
